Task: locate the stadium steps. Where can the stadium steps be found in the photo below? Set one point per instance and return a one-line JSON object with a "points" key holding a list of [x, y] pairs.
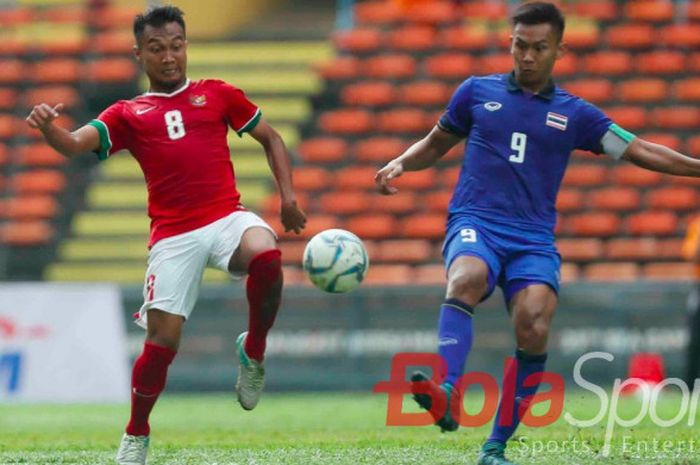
{"points": [[108, 240]]}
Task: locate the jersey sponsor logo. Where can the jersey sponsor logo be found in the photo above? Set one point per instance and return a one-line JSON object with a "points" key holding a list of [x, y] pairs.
{"points": [[492, 106], [141, 111], [198, 100], [557, 121]]}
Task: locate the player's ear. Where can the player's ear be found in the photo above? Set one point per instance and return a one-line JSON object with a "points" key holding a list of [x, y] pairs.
{"points": [[137, 52], [562, 49]]}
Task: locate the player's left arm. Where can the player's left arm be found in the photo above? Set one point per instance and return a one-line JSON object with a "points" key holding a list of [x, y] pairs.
{"points": [[657, 157], [293, 218]]}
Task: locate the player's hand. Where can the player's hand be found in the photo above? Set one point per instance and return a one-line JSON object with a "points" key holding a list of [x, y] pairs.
{"points": [[293, 218], [42, 115], [392, 170]]}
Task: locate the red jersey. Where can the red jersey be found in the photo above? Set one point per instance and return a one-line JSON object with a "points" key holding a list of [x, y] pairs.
{"points": [[179, 139]]}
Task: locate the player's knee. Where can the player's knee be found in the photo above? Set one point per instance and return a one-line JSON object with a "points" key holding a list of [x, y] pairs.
{"points": [[532, 332], [467, 286]]}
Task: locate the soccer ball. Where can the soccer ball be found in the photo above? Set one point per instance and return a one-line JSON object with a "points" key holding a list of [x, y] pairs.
{"points": [[335, 260]]}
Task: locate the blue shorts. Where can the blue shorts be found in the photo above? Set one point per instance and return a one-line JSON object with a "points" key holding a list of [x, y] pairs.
{"points": [[515, 258]]}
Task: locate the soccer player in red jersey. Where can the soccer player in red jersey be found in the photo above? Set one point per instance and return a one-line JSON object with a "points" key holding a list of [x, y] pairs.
{"points": [[177, 133]]}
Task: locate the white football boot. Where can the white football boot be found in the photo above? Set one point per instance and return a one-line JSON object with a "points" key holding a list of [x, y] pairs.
{"points": [[133, 450], [251, 377]]}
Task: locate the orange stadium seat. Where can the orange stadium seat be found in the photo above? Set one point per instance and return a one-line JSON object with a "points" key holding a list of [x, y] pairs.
{"points": [[323, 150], [465, 38], [496, 63], [652, 223], [4, 157], [390, 66], [608, 62], [67, 95], [580, 249], [355, 177], [31, 207], [693, 145], [629, 117], [424, 226], [581, 37], [38, 154], [26, 233], [674, 198], [569, 200], [312, 178], [612, 272], [346, 121], [8, 98], [344, 202], [16, 16], [681, 35], [449, 176], [9, 125], [585, 175], [632, 248], [614, 198], [412, 38], [369, 93], [403, 202], [594, 90], [417, 180], [359, 40], [110, 70], [437, 201], [13, 71], [69, 45], [604, 10], [429, 93], [567, 65], [435, 12], [114, 17], [631, 175], [404, 251], [292, 252], [680, 271], [570, 272], [644, 90], [663, 138], [339, 68], [112, 42], [55, 70], [687, 89], [403, 120], [694, 62], [494, 10], [670, 249], [377, 12], [661, 62], [449, 66], [65, 14], [649, 10], [38, 181], [429, 275], [631, 35], [379, 149], [373, 226], [694, 10], [595, 224], [388, 275], [676, 117]]}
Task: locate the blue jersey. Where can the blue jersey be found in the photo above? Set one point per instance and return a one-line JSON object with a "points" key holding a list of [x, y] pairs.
{"points": [[518, 149]]}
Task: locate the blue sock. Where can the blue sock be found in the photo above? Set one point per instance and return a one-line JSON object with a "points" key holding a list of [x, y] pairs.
{"points": [[455, 337], [526, 365]]}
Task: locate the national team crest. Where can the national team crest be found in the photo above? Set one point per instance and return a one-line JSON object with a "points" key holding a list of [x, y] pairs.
{"points": [[198, 100], [557, 121]]}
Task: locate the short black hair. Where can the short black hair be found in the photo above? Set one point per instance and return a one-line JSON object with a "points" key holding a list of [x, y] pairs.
{"points": [[158, 17], [540, 13]]}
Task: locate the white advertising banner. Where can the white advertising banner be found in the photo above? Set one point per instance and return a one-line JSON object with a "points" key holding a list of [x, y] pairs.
{"points": [[62, 343]]}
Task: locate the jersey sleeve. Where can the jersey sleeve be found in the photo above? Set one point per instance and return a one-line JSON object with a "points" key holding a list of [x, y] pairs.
{"points": [[113, 130], [592, 125], [242, 114], [457, 119]]}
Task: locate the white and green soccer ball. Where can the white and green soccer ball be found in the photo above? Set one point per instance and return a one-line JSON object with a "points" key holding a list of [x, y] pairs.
{"points": [[335, 260]]}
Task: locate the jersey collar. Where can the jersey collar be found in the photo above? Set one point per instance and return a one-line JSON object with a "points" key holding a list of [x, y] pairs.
{"points": [[512, 84], [171, 94]]}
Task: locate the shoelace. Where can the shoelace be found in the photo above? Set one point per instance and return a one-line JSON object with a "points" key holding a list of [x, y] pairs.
{"points": [[255, 378]]}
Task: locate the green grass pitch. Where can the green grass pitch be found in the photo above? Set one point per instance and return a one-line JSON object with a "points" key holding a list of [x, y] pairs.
{"points": [[327, 429]]}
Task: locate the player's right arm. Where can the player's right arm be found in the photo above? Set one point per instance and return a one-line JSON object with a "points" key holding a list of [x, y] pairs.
{"points": [[67, 143], [418, 156]]}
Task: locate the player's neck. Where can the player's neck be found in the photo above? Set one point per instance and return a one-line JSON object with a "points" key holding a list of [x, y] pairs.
{"points": [[166, 89], [534, 88]]}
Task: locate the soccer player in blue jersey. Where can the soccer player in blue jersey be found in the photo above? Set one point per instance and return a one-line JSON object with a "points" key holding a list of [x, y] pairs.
{"points": [[500, 228]]}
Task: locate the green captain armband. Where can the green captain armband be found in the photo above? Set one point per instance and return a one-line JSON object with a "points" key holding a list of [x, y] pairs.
{"points": [[105, 142], [622, 133]]}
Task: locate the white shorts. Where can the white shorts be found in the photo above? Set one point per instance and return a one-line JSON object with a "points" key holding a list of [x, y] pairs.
{"points": [[176, 264]]}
